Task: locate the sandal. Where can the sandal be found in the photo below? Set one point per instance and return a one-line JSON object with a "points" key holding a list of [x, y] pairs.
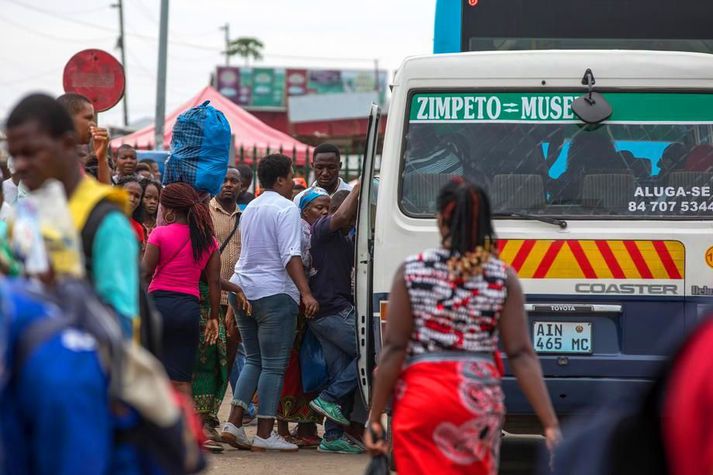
{"points": [[213, 446], [308, 442]]}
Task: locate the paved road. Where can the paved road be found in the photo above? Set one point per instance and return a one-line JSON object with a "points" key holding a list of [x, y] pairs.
{"points": [[518, 454]]}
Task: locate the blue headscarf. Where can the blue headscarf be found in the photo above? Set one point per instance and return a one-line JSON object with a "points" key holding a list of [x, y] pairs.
{"points": [[310, 195]]}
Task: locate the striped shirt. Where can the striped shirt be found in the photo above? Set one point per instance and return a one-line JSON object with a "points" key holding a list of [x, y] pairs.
{"points": [[223, 223]]}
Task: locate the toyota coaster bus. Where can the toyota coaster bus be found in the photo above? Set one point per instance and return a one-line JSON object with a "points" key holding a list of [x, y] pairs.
{"points": [[608, 224]]}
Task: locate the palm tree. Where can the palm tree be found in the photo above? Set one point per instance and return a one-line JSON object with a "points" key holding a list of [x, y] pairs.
{"points": [[247, 48]]}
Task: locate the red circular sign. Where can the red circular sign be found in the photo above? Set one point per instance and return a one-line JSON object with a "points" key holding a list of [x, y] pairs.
{"points": [[97, 75]]}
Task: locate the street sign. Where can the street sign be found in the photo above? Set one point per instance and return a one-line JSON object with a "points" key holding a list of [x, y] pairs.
{"points": [[96, 75]]}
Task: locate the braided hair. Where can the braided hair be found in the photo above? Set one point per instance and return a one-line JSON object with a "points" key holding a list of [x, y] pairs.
{"points": [[183, 198], [465, 212]]}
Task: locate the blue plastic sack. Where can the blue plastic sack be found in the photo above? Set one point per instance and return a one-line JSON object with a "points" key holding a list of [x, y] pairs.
{"points": [[200, 149], [313, 366]]}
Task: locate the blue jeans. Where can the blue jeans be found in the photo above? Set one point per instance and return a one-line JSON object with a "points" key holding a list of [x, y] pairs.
{"points": [[337, 335], [238, 365], [267, 336]]}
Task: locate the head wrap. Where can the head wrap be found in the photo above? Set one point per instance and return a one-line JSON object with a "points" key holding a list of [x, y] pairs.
{"points": [[311, 194]]}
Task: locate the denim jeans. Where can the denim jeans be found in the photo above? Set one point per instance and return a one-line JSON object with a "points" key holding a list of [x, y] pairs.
{"points": [[238, 365], [337, 335], [267, 336]]}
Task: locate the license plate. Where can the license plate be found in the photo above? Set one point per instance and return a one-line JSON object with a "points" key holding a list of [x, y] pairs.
{"points": [[562, 337]]}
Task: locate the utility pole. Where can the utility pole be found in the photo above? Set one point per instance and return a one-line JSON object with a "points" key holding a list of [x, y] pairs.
{"points": [[161, 79], [226, 29], [122, 45], [377, 85]]}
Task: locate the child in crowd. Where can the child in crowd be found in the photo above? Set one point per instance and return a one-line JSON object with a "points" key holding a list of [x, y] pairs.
{"points": [[143, 170], [125, 162], [136, 193], [152, 195]]}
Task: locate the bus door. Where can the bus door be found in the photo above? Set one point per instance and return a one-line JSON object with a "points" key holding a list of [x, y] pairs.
{"points": [[363, 264]]}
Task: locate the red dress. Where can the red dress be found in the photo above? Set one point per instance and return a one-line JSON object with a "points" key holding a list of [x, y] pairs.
{"points": [[140, 232], [449, 406]]}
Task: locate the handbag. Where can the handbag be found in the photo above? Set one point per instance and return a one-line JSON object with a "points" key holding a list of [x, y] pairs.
{"points": [[313, 366], [379, 465]]}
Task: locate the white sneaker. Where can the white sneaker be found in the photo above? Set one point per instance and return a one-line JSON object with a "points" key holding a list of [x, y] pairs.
{"points": [[235, 436], [274, 442]]}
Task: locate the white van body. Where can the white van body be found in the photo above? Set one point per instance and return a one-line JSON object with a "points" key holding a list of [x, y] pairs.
{"points": [[610, 298]]}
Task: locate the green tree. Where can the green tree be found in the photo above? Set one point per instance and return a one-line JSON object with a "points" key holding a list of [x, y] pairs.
{"points": [[247, 48]]}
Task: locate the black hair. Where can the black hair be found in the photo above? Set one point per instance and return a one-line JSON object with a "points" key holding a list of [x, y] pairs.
{"points": [[337, 200], [465, 212], [138, 213], [46, 111], [326, 148], [148, 161], [143, 166], [72, 102], [124, 146], [183, 197], [272, 167], [246, 173]]}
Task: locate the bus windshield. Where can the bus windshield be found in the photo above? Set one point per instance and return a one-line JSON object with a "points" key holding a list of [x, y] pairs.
{"points": [[652, 159]]}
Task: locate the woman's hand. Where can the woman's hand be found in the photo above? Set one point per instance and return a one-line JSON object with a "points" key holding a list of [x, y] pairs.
{"points": [[374, 439], [211, 331], [244, 303], [553, 437]]}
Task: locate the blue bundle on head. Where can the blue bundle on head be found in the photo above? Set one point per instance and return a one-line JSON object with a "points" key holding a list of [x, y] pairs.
{"points": [[310, 195], [200, 149]]}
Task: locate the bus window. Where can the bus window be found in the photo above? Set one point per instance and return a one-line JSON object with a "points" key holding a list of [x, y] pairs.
{"points": [[653, 158]]}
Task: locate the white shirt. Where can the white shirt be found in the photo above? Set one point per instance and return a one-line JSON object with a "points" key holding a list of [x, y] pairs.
{"points": [[341, 185], [270, 232], [9, 191]]}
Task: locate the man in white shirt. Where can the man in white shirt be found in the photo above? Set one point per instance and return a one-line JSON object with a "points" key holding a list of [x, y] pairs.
{"points": [[270, 273], [327, 163]]}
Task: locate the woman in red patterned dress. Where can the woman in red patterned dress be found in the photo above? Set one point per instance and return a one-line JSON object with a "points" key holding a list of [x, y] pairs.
{"points": [[447, 308]]}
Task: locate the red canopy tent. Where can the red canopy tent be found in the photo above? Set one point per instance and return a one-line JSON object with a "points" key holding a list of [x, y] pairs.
{"points": [[248, 131]]}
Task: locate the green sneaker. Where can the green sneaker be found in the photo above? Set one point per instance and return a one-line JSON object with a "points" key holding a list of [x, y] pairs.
{"points": [[339, 446], [330, 410]]}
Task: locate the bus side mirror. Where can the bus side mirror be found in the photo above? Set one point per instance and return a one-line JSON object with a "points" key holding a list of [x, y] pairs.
{"points": [[591, 108]]}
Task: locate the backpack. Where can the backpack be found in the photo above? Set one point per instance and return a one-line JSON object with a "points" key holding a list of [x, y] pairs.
{"points": [[624, 436], [152, 421], [150, 318]]}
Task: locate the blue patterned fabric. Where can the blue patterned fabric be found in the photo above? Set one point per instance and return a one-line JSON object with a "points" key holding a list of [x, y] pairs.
{"points": [[200, 149]]}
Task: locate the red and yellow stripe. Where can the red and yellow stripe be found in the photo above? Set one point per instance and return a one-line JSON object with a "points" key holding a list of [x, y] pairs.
{"points": [[591, 259]]}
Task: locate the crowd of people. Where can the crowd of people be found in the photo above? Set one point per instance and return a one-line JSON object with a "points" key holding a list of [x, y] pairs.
{"points": [[240, 281], [255, 293]]}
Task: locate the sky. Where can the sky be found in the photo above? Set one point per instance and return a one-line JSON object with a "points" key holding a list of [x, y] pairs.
{"points": [[39, 36]]}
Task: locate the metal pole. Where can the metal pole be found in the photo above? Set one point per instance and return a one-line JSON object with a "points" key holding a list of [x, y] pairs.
{"points": [[122, 45], [161, 79], [377, 86], [226, 29]]}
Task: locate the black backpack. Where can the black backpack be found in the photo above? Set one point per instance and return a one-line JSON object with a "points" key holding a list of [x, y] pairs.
{"points": [[150, 318]]}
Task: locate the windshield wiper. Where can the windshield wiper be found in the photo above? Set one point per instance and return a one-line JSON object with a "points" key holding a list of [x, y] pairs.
{"points": [[545, 219]]}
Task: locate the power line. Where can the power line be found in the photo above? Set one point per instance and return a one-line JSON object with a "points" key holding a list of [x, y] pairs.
{"points": [[62, 12], [56, 15], [30, 78], [186, 44], [53, 37]]}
